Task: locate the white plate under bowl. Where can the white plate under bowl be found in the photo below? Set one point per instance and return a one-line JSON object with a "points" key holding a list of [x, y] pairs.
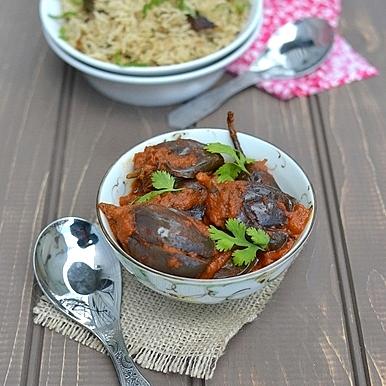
{"points": [[52, 27]]}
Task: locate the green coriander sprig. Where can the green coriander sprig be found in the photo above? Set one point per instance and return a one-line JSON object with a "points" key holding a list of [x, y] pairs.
{"points": [[163, 182], [259, 240], [230, 170]]}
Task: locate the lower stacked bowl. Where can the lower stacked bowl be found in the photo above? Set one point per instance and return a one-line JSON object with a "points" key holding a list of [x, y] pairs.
{"points": [[149, 88]]}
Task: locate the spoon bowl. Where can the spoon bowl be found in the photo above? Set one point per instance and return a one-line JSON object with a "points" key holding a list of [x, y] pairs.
{"points": [[295, 49], [78, 272]]}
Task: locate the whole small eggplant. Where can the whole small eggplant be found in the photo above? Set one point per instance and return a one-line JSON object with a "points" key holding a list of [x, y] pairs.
{"points": [[204, 161], [253, 202], [182, 158], [264, 206], [170, 241]]}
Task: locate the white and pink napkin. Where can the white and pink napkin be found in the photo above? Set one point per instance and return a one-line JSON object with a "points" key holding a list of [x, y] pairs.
{"points": [[342, 66]]}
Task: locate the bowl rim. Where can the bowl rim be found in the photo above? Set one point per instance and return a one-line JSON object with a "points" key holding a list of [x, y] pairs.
{"points": [[302, 239], [254, 19], [153, 80]]}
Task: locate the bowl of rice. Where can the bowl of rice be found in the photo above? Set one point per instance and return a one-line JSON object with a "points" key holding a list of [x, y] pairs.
{"points": [[153, 90], [149, 37]]}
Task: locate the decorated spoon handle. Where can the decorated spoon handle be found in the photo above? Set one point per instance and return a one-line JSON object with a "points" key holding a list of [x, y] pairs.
{"points": [[210, 101], [127, 372]]}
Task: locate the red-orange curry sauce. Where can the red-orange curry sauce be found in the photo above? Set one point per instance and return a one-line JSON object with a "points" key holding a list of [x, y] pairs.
{"points": [[170, 232]]}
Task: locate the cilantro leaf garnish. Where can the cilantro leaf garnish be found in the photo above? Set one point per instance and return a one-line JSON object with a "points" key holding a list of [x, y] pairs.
{"points": [[217, 147], [244, 256], [259, 240], [226, 172], [163, 182], [258, 236]]}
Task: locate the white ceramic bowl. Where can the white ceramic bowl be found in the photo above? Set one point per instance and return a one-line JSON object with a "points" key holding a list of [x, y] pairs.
{"points": [[287, 173], [155, 90], [52, 26]]}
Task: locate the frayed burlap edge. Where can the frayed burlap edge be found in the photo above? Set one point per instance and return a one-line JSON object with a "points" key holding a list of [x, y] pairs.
{"points": [[155, 358]]}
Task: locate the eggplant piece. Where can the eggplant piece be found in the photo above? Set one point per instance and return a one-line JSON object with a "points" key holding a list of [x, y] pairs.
{"points": [[262, 177], [261, 206], [277, 240], [191, 184], [255, 204], [167, 226], [183, 158], [202, 160], [154, 256], [169, 241], [199, 22], [197, 211], [229, 270]]}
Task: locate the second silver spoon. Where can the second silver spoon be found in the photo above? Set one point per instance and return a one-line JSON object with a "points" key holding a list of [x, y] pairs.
{"points": [[294, 50]]}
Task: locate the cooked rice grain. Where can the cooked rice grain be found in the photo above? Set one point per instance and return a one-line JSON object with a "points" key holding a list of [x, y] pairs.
{"points": [[117, 31]]}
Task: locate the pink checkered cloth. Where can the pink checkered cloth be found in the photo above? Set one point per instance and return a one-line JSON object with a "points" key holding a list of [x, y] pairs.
{"points": [[342, 66]]}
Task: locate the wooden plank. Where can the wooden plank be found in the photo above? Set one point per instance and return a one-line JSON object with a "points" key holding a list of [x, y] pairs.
{"points": [[30, 83], [305, 318], [98, 132], [300, 339], [66, 363], [354, 122]]}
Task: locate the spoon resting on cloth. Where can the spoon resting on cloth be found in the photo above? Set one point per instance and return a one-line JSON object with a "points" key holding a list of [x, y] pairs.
{"points": [[295, 49], [78, 272]]}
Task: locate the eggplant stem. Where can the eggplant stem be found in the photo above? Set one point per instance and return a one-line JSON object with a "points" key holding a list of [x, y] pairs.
{"points": [[233, 132]]}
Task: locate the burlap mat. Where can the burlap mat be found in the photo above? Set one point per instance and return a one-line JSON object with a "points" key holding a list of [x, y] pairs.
{"points": [[164, 334]]}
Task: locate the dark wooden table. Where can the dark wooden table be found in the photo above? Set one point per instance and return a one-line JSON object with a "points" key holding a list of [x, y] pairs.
{"points": [[326, 325]]}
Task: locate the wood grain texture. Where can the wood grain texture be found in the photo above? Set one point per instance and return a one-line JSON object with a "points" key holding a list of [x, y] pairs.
{"points": [[354, 119], [98, 131], [300, 339], [305, 319], [30, 81], [326, 325]]}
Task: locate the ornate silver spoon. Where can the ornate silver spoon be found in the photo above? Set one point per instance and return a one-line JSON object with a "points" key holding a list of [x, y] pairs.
{"points": [[77, 271]]}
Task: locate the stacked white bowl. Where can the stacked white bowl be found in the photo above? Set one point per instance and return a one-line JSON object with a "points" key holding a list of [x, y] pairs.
{"points": [[150, 86]]}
